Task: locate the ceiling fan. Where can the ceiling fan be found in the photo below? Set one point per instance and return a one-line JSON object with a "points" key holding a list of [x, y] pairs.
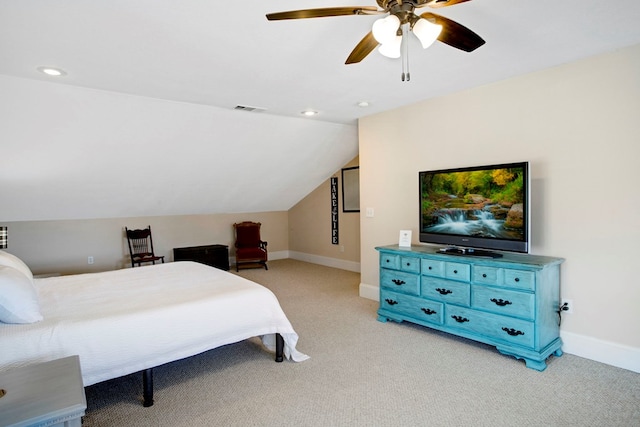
{"points": [[388, 31]]}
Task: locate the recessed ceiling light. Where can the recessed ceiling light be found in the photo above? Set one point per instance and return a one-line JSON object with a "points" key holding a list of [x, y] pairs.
{"points": [[51, 71], [363, 104], [309, 113]]}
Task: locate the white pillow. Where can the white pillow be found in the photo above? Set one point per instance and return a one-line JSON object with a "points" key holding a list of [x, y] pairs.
{"points": [[18, 297], [11, 260]]}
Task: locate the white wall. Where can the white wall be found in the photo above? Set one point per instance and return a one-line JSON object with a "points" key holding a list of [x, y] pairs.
{"points": [[310, 229], [64, 246], [579, 127]]}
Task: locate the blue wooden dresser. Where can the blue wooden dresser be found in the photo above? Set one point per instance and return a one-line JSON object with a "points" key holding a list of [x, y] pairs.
{"points": [[511, 302]]}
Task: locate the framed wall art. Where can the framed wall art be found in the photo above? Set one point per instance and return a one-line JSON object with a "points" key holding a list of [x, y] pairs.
{"points": [[351, 189]]}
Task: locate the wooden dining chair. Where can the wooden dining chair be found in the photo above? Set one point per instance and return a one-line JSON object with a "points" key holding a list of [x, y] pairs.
{"points": [[141, 246]]}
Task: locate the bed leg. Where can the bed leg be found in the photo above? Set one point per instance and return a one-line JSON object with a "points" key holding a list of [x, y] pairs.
{"points": [[147, 387], [279, 348]]}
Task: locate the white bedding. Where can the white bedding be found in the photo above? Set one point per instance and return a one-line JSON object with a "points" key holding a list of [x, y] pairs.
{"points": [[124, 321]]}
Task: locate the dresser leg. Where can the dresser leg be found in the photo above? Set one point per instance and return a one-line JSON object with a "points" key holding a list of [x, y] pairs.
{"points": [[535, 364]]}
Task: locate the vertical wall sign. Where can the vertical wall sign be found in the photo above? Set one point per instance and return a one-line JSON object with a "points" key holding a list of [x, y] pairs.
{"points": [[334, 210]]}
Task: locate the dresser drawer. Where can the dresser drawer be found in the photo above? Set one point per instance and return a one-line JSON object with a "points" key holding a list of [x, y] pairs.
{"points": [[511, 278], [417, 308], [502, 301], [431, 267], [494, 326], [400, 281], [519, 279], [445, 290], [457, 271], [390, 261], [487, 275], [410, 264]]}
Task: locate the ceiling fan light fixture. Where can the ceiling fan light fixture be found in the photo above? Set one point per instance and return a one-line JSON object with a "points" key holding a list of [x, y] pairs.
{"points": [[392, 48], [426, 31], [385, 29]]}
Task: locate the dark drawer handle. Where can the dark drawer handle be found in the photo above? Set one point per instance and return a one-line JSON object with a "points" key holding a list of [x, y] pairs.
{"points": [[408, 264], [501, 302], [391, 302], [460, 319], [430, 268], [388, 260], [455, 271], [443, 291], [513, 332], [398, 282], [428, 311], [517, 279], [484, 275]]}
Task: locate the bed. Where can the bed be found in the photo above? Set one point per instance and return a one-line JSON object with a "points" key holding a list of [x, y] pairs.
{"points": [[125, 321]]}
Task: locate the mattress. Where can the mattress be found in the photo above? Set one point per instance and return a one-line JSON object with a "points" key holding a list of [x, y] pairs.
{"points": [[125, 321]]}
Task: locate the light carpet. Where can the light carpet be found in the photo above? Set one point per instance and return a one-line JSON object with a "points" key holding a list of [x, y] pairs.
{"points": [[364, 373]]}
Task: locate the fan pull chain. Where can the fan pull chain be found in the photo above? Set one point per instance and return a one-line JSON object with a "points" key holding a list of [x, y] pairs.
{"points": [[406, 75]]}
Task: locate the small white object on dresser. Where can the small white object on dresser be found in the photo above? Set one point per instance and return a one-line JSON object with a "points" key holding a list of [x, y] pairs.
{"points": [[405, 239], [43, 394]]}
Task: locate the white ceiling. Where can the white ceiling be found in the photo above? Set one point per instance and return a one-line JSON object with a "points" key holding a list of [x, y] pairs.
{"points": [[222, 54], [227, 53]]}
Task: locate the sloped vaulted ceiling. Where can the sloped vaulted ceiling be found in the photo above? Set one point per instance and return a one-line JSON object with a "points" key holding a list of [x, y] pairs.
{"points": [[143, 122], [72, 153]]}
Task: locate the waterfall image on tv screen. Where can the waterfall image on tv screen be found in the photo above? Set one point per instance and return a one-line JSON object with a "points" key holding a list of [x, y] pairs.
{"points": [[485, 203]]}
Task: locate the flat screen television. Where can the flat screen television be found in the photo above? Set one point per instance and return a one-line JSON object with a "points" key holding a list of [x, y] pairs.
{"points": [[474, 210]]}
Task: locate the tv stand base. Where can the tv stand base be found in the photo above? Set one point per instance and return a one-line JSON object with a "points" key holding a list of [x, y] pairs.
{"points": [[453, 250]]}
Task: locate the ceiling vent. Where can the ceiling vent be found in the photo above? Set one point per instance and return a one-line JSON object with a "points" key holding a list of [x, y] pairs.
{"points": [[248, 108]]}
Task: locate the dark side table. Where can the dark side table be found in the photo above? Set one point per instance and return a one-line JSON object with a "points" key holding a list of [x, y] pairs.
{"points": [[213, 255]]}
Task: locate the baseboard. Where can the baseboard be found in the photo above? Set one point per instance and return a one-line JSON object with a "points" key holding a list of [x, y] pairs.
{"points": [[314, 259], [606, 352], [279, 255], [272, 257], [326, 261], [369, 292]]}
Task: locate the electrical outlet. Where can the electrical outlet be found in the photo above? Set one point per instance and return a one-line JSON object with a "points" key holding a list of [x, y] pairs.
{"points": [[90, 260], [369, 213], [569, 303], [341, 248]]}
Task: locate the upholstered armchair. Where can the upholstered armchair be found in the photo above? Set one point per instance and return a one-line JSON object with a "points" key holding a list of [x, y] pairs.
{"points": [[251, 250]]}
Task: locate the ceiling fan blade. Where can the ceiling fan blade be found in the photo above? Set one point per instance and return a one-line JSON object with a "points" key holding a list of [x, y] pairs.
{"points": [[442, 3], [454, 34], [362, 49], [323, 12]]}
